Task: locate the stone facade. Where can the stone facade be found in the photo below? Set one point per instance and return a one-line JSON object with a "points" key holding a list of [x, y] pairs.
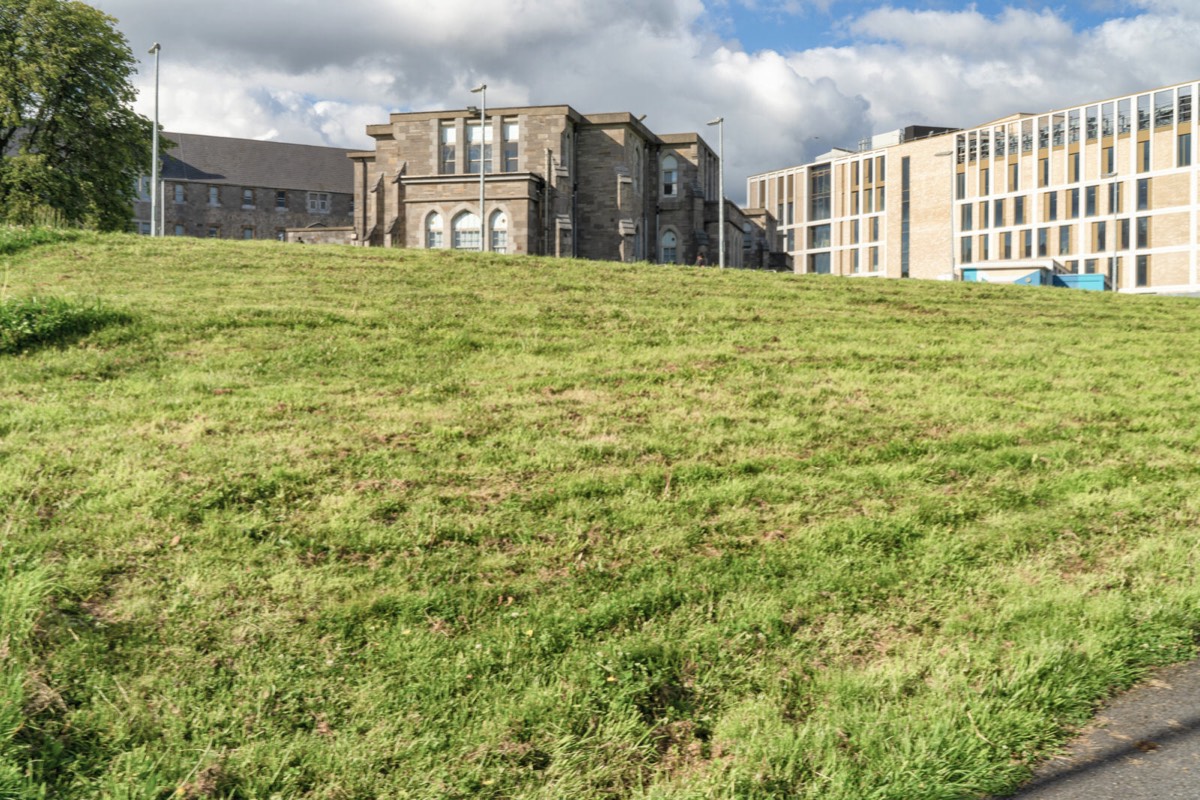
{"points": [[560, 183], [224, 188]]}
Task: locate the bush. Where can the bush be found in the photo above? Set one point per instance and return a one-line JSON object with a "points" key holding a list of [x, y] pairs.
{"points": [[36, 321]]}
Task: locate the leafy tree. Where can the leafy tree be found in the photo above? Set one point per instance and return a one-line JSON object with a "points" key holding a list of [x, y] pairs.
{"points": [[72, 146]]}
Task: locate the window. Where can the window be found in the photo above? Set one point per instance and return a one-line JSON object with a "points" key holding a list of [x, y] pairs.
{"points": [[1026, 243], [791, 213], [983, 248], [669, 250], [998, 213], [179, 230], [1072, 204], [1123, 234], [879, 199], [511, 133], [1185, 104], [213, 232], [867, 206], [1073, 175], [1144, 156], [854, 202], [1064, 240], [1143, 232], [1006, 244], [1091, 126], [449, 139], [960, 185], [1014, 177], [1089, 266], [874, 259], [433, 231], [1043, 242], [179, 193], [144, 228], [867, 168], [1018, 211], [819, 263], [1110, 164], [874, 229], [1100, 234], [281, 200], [670, 176], [1051, 206], [819, 236], [880, 169], [1089, 202], [247, 198], [818, 190], [1164, 108], [1143, 112], [853, 231], [318, 202], [247, 233], [281, 234], [985, 181], [965, 223], [1143, 194], [1123, 118], [479, 145], [214, 196], [1143, 270], [855, 267], [983, 214], [466, 232], [498, 231], [1043, 171], [1183, 150], [965, 254]]}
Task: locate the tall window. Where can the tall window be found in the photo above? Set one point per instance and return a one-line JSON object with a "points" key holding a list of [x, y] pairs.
{"points": [[819, 188], [1144, 156], [512, 148], [214, 196], [1018, 211], [449, 140], [466, 233], [281, 200], [1064, 240], [1183, 150], [247, 233], [179, 193], [1143, 270], [247, 198], [433, 231], [669, 251], [479, 145], [1089, 201], [498, 230], [670, 176], [1143, 232], [1143, 194]]}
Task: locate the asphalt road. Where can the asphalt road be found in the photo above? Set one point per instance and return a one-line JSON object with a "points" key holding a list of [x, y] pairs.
{"points": [[1144, 746]]}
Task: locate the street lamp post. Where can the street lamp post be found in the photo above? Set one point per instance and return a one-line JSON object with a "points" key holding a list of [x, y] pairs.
{"points": [[481, 90], [720, 123], [155, 227]]}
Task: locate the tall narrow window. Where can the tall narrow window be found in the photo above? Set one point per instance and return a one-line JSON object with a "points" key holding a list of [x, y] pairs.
{"points": [[1064, 240], [905, 215], [998, 213], [670, 248], [965, 223], [512, 146], [1051, 206], [1144, 156], [179, 193], [1143, 271], [1143, 194], [670, 176], [818, 192], [1183, 150], [1143, 232], [1185, 104], [1018, 211], [1014, 177], [465, 231], [479, 146], [1043, 242], [1143, 112], [449, 140], [247, 198], [1006, 244], [1089, 201], [281, 200], [214, 196], [1110, 163], [1072, 203], [498, 230], [433, 231]]}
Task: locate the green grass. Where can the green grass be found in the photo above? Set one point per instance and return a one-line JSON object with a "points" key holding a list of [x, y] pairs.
{"points": [[339, 523]]}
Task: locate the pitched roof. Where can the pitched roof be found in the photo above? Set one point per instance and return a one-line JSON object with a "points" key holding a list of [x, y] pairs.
{"points": [[259, 164]]}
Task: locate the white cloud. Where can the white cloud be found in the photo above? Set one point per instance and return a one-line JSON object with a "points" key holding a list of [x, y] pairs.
{"points": [[294, 70]]}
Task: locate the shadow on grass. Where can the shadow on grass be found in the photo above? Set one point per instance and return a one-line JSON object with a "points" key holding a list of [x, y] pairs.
{"points": [[33, 322]]}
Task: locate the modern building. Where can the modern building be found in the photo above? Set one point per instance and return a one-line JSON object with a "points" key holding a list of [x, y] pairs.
{"points": [[225, 188], [556, 182], [1100, 195]]}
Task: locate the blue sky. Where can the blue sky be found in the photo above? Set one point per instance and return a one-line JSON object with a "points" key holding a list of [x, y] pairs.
{"points": [[800, 25], [791, 77]]}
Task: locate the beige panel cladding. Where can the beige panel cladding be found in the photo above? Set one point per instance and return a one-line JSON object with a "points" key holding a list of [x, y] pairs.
{"points": [[1170, 229], [1162, 149], [1169, 269], [1170, 191], [930, 206]]}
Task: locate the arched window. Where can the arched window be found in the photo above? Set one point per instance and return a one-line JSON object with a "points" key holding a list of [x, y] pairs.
{"points": [[433, 231], [466, 232], [498, 228], [669, 249], [670, 177]]}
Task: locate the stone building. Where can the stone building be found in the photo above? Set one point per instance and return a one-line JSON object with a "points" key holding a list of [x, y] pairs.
{"points": [[225, 188], [557, 182], [1102, 195]]}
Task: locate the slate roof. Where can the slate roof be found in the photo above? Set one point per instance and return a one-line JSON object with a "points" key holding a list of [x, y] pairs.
{"points": [[221, 160]]}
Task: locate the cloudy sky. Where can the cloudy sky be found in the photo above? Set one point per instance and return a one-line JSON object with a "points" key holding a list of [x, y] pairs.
{"points": [[792, 77]]}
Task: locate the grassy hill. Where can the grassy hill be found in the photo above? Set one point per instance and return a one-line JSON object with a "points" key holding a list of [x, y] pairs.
{"points": [[284, 522]]}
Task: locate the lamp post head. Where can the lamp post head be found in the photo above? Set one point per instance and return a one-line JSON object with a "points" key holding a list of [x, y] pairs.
{"points": [[154, 50], [717, 121], [480, 88]]}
